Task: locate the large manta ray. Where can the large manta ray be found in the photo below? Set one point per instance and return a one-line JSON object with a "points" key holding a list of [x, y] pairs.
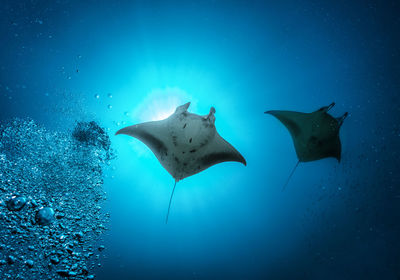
{"points": [[184, 143], [315, 135]]}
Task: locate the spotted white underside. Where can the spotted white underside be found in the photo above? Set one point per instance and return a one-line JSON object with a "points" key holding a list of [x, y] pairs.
{"points": [[185, 143]]}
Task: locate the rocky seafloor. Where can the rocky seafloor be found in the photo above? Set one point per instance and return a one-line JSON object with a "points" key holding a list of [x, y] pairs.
{"points": [[51, 200]]}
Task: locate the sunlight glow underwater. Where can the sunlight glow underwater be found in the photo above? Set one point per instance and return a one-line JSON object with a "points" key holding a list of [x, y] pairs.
{"points": [[157, 105], [160, 103], [335, 221]]}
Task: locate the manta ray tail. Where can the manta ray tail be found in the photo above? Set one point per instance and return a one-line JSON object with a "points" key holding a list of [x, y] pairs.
{"points": [[290, 176], [170, 200]]}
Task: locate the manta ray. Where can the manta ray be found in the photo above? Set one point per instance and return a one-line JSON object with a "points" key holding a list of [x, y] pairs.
{"points": [[315, 135], [184, 143]]}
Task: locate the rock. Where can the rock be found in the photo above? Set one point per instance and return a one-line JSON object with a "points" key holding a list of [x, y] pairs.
{"points": [[33, 203], [45, 216], [63, 272], [11, 259], [84, 270], [29, 263], [101, 248], [16, 203], [62, 238], [64, 174], [16, 230], [60, 215], [78, 235], [88, 255], [54, 260]]}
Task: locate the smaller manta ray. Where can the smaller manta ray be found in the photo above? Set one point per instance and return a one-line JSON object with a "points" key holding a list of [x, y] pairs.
{"points": [[315, 135], [184, 143]]}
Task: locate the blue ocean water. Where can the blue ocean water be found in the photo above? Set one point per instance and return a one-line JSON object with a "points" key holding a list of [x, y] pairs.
{"points": [[120, 63]]}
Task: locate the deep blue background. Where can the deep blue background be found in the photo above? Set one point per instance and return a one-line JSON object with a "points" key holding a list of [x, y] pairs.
{"points": [[334, 221]]}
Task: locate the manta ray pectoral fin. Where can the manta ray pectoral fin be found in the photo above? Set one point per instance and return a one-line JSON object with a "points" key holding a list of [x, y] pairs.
{"points": [[220, 151], [219, 157], [290, 119], [337, 152], [334, 149], [148, 133]]}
